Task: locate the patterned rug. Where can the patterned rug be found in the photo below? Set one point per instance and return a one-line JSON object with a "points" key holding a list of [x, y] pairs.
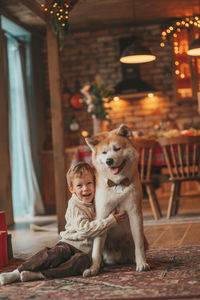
{"points": [[174, 274]]}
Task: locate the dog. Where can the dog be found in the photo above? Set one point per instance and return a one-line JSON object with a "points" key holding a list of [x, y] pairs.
{"points": [[117, 187]]}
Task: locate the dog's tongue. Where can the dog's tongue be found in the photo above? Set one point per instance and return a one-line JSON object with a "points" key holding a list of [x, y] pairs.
{"points": [[114, 170]]}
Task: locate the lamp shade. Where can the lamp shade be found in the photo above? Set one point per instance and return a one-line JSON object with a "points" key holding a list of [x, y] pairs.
{"points": [[136, 54], [194, 49]]}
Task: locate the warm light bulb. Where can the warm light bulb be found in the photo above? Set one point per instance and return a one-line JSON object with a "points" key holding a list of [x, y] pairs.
{"points": [[116, 98], [150, 95], [85, 133]]}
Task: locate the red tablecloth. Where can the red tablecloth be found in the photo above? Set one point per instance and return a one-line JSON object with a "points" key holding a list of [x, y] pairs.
{"points": [[83, 153]]}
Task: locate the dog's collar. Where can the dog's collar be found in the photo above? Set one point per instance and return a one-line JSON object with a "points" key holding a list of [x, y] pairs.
{"points": [[124, 182]]}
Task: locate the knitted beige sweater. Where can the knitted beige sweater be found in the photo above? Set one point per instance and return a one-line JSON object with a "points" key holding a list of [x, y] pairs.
{"points": [[81, 226]]}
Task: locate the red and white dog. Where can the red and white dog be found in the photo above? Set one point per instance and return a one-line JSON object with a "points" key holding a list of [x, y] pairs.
{"points": [[117, 187]]}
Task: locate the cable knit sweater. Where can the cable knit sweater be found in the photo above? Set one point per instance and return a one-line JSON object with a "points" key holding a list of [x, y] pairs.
{"points": [[81, 226]]}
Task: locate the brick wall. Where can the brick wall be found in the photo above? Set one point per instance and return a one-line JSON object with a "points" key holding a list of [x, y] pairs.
{"points": [[87, 54]]}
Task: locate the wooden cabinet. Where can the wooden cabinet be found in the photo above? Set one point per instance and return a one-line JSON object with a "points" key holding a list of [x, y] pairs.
{"points": [[48, 182]]}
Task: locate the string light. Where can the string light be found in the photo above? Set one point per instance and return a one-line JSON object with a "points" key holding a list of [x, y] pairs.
{"points": [[59, 12], [177, 27], [58, 9]]}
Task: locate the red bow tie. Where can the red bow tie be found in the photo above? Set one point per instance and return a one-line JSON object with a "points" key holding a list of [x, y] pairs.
{"points": [[124, 182]]}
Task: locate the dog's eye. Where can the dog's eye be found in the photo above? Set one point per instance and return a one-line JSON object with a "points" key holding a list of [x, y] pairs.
{"points": [[104, 152], [117, 149]]}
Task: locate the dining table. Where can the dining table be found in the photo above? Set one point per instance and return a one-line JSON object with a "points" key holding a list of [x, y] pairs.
{"points": [[84, 153]]}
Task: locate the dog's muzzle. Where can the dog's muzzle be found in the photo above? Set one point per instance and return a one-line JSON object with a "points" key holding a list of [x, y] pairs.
{"points": [[109, 161]]}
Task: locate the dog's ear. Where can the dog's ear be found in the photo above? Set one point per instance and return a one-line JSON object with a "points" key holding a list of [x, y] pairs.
{"points": [[92, 141], [124, 131], [95, 140]]}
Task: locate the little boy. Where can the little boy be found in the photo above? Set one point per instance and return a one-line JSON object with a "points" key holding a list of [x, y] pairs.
{"points": [[72, 254]]}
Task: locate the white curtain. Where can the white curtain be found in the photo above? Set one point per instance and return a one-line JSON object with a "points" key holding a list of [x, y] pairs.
{"points": [[26, 195]]}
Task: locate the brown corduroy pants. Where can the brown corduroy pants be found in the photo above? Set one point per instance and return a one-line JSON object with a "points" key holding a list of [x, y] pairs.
{"points": [[59, 261]]}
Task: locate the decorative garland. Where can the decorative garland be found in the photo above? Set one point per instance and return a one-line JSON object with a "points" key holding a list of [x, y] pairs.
{"points": [[178, 26], [59, 11]]}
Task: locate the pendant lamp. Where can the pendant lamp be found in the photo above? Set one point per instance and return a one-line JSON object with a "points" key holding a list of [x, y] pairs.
{"points": [[136, 53], [194, 49]]}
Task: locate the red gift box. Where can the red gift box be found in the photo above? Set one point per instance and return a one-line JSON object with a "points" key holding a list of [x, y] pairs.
{"points": [[3, 249], [3, 226], [3, 240]]}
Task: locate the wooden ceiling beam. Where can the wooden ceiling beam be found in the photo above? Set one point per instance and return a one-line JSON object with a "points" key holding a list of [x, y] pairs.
{"points": [[35, 7], [6, 14]]}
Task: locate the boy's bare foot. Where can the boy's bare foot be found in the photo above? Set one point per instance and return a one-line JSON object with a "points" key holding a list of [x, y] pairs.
{"points": [[9, 277]]}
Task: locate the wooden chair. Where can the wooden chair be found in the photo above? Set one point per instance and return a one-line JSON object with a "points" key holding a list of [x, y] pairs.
{"points": [[182, 155], [145, 148]]}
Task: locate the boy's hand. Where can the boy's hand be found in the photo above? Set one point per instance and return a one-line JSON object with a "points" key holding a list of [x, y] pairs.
{"points": [[120, 217]]}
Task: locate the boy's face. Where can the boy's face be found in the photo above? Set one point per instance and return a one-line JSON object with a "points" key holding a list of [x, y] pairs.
{"points": [[83, 187]]}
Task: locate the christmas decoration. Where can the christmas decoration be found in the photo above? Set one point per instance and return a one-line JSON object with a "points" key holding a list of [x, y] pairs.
{"points": [[59, 11], [95, 95], [174, 29]]}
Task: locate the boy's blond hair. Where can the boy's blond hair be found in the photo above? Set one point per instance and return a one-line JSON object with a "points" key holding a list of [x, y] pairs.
{"points": [[78, 170]]}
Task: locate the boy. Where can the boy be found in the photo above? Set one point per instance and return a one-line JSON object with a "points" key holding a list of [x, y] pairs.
{"points": [[72, 254]]}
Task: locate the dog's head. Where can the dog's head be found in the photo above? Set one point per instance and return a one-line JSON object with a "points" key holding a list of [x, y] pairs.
{"points": [[113, 152]]}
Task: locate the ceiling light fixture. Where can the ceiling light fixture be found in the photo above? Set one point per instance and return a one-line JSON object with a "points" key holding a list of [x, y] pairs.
{"points": [[136, 53], [194, 49]]}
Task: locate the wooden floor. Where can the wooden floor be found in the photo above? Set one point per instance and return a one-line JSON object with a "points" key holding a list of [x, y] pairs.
{"points": [[185, 231]]}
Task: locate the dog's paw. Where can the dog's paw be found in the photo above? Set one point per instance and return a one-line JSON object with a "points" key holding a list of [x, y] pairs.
{"points": [[142, 267], [91, 272]]}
